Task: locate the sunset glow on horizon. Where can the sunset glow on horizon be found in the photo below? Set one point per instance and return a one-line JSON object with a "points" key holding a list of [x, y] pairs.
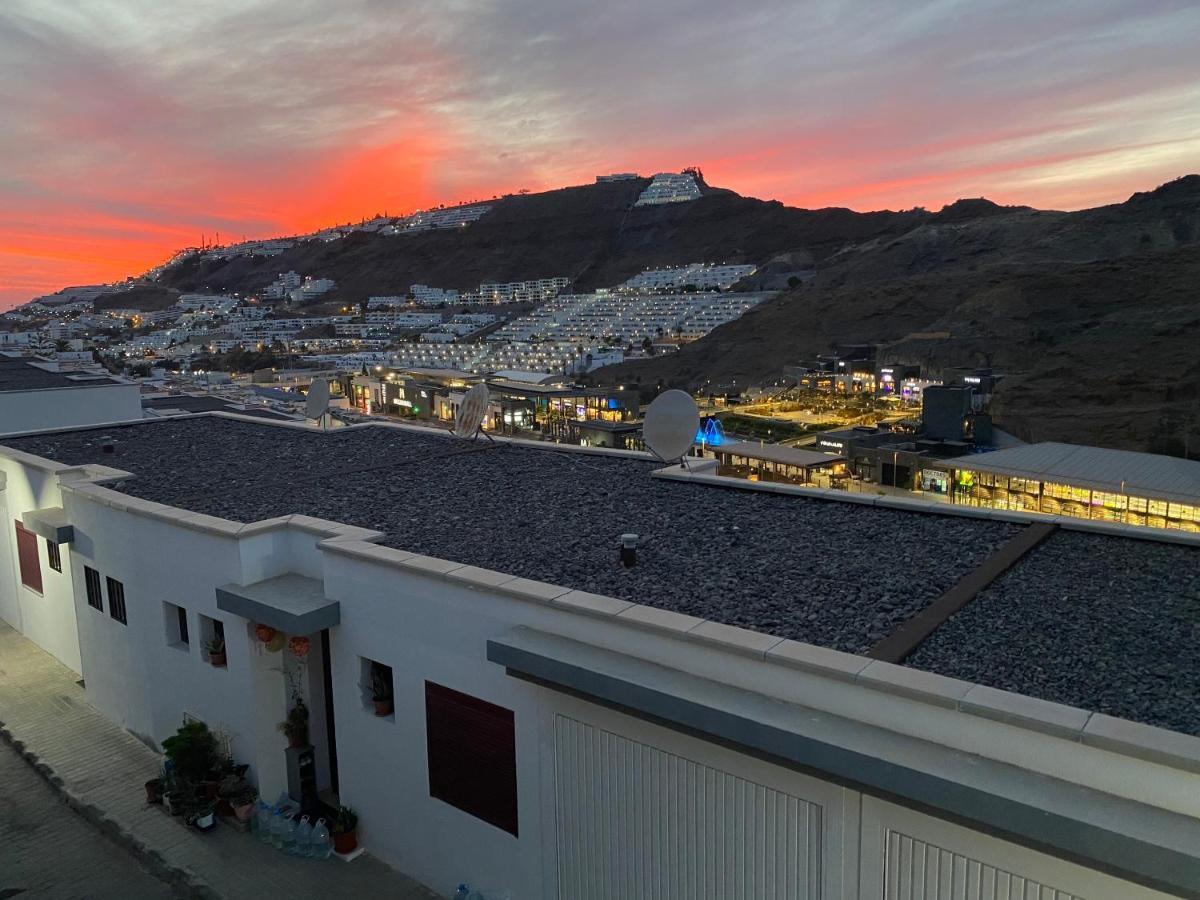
{"points": [[130, 133]]}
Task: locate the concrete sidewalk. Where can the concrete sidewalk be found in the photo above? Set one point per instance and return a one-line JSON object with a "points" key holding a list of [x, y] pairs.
{"points": [[100, 770]]}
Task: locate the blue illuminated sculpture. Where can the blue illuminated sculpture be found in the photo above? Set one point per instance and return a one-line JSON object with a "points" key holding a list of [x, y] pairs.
{"points": [[710, 433]]}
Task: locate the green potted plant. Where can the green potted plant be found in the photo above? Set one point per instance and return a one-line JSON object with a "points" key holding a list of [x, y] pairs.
{"points": [[236, 796], [344, 830], [381, 689], [295, 726], [216, 650], [192, 753]]}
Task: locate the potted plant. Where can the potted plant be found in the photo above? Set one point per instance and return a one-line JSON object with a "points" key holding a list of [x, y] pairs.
{"points": [[174, 799], [192, 752], [243, 803], [381, 689], [201, 815], [216, 650], [345, 835], [154, 791], [295, 726]]}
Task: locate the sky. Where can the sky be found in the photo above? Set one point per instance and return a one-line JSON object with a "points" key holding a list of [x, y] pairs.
{"points": [[129, 128]]}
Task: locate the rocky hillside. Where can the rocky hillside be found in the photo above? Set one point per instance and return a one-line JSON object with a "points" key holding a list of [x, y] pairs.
{"points": [[591, 234], [1093, 316]]}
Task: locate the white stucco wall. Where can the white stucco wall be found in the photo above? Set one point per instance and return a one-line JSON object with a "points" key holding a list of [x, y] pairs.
{"points": [[68, 407], [47, 619]]}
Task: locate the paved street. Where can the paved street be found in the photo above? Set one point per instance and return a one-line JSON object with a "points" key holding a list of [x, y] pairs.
{"points": [[104, 768], [49, 851]]}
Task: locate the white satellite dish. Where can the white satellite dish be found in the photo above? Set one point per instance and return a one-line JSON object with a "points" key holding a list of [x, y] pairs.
{"points": [[317, 402], [471, 411], [672, 421]]}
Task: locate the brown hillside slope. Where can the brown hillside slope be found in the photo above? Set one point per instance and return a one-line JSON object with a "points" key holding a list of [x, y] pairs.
{"points": [[1094, 316], [592, 234]]}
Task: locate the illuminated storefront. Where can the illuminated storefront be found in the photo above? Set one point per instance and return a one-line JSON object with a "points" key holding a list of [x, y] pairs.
{"points": [[776, 462], [1084, 483]]}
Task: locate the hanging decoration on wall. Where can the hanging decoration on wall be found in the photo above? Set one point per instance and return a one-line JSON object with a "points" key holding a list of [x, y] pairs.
{"points": [[298, 647], [276, 643], [265, 633]]}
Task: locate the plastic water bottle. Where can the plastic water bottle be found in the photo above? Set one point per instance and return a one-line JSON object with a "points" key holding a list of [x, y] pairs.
{"points": [[276, 827], [262, 820], [303, 838], [322, 844], [289, 835]]}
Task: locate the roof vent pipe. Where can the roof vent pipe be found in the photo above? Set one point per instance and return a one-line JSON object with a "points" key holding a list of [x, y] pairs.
{"points": [[629, 550]]}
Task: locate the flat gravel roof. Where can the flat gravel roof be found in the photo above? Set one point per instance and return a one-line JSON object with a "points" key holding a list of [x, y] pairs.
{"points": [[1109, 624], [834, 574], [19, 374]]}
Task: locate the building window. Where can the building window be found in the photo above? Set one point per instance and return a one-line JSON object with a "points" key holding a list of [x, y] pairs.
{"points": [[212, 641], [116, 600], [91, 579], [176, 625], [53, 554], [377, 692], [472, 755], [28, 559]]}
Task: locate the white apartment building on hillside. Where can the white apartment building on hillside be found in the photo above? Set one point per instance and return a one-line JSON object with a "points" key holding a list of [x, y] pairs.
{"points": [[704, 276], [668, 187]]}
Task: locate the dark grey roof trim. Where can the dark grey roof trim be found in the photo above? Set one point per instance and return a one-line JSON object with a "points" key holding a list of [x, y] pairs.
{"points": [[292, 603], [50, 523], [1149, 846]]}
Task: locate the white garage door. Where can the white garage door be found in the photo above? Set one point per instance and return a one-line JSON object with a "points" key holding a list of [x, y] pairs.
{"points": [[668, 819], [910, 856]]}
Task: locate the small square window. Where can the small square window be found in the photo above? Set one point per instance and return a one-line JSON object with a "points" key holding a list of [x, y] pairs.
{"points": [[54, 555], [116, 600], [175, 623], [91, 579], [472, 749], [212, 641], [375, 683]]}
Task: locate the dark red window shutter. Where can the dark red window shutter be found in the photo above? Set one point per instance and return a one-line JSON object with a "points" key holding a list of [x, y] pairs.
{"points": [[472, 755], [27, 555]]}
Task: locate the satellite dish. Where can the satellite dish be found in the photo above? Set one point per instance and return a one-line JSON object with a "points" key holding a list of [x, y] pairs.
{"points": [[317, 401], [671, 424], [471, 411]]}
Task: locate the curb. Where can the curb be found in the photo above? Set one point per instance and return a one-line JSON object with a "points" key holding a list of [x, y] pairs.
{"points": [[183, 881]]}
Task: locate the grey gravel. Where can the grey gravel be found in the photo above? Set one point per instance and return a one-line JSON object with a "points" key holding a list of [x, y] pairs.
{"points": [[1107, 624], [833, 574]]}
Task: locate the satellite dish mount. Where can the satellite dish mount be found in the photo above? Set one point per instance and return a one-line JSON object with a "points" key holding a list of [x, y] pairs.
{"points": [[468, 420], [670, 427], [317, 402]]}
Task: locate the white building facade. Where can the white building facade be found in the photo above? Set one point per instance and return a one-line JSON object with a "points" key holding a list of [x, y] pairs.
{"points": [[612, 749]]}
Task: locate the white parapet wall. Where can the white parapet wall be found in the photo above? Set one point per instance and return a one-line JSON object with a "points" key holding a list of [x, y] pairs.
{"points": [[64, 407]]}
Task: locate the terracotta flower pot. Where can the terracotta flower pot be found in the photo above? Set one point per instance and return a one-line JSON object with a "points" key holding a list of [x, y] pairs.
{"points": [[244, 812], [154, 790], [383, 707], [217, 659], [298, 740], [345, 841]]}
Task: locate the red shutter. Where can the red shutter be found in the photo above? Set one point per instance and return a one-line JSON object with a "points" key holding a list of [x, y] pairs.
{"points": [[472, 755], [27, 555]]}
